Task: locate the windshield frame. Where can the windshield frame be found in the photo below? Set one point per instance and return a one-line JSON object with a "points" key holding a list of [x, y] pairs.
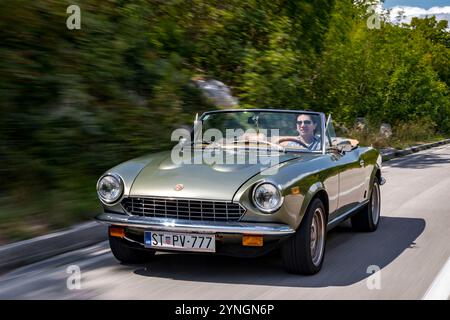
{"points": [[320, 114]]}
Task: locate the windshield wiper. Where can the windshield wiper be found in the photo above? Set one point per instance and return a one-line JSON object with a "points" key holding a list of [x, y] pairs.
{"points": [[276, 146], [209, 144], [215, 144], [201, 141]]}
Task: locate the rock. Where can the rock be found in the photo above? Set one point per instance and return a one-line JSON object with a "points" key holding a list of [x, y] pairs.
{"points": [[360, 124], [386, 130], [341, 129], [217, 92]]}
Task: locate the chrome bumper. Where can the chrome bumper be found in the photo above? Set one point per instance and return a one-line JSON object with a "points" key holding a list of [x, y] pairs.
{"points": [[171, 225]]}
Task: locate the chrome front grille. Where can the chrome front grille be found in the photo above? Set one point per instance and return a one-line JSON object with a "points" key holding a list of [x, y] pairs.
{"points": [[183, 209]]}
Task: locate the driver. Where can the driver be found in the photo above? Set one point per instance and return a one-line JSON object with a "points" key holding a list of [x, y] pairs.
{"points": [[306, 127]]}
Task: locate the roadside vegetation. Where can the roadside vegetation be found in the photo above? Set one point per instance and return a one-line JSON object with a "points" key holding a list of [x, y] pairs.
{"points": [[76, 102]]}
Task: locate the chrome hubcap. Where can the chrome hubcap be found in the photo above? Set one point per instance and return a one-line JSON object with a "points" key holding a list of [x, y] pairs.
{"points": [[317, 236], [375, 203]]}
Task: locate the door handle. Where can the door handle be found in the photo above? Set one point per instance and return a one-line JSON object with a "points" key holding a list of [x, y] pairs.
{"points": [[361, 163]]}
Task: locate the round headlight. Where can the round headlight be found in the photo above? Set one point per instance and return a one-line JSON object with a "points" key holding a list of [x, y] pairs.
{"points": [[109, 188], [267, 197]]}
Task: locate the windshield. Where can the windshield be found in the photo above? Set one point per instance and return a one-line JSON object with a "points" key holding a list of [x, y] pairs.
{"points": [[289, 131]]}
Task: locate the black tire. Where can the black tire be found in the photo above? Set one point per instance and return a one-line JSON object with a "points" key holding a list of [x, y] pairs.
{"points": [[126, 254], [296, 251], [367, 220]]}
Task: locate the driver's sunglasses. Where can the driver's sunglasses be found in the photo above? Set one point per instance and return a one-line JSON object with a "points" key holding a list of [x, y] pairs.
{"points": [[306, 122]]}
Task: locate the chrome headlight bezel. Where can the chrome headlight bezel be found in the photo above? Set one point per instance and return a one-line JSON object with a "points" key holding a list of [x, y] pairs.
{"points": [[278, 192], [120, 184]]}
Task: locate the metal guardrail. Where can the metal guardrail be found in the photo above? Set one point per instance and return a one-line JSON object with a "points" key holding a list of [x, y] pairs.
{"points": [[389, 155]]}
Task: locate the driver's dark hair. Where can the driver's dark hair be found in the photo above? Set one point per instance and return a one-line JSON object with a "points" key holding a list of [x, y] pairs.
{"points": [[313, 118]]}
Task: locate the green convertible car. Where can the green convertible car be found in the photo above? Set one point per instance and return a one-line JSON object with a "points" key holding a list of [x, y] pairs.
{"points": [[243, 182]]}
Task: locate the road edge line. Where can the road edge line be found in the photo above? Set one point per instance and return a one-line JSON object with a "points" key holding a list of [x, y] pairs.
{"points": [[440, 287]]}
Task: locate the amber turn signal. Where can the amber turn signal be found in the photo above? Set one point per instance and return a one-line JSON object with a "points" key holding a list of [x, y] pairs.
{"points": [[117, 232], [252, 241], [295, 190]]}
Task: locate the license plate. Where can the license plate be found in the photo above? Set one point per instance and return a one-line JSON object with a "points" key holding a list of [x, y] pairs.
{"points": [[180, 241]]}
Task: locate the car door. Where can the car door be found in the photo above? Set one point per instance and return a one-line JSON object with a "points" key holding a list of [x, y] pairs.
{"points": [[351, 173]]}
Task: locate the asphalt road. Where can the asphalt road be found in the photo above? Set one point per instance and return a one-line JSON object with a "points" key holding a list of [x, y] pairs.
{"points": [[410, 248]]}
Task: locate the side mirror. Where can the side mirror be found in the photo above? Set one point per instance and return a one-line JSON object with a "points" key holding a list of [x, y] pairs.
{"points": [[344, 146], [183, 141]]}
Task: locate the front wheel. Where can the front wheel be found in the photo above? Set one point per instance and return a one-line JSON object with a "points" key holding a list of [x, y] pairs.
{"points": [[368, 218], [303, 253], [127, 254]]}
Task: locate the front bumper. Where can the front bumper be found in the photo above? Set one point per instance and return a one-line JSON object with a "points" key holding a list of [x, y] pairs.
{"points": [[172, 225]]}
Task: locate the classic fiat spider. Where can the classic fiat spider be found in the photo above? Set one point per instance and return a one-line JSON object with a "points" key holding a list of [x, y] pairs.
{"points": [[243, 182]]}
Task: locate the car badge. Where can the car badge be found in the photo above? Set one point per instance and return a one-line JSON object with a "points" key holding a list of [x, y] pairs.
{"points": [[179, 187]]}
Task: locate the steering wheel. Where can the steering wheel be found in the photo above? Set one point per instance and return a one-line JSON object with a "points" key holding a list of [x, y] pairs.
{"points": [[294, 140]]}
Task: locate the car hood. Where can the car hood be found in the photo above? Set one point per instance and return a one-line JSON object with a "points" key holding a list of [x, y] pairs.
{"points": [[207, 180]]}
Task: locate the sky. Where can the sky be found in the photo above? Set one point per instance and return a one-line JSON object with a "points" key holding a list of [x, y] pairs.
{"points": [[425, 4], [419, 8]]}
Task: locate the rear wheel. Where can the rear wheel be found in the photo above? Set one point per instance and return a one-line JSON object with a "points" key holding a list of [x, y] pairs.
{"points": [[369, 217], [127, 254], [303, 253]]}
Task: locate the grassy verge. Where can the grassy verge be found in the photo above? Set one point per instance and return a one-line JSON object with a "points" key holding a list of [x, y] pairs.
{"points": [[403, 135], [25, 215]]}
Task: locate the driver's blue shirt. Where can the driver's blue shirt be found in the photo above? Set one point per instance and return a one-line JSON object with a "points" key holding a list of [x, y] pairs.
{"points": [[313, 146]]}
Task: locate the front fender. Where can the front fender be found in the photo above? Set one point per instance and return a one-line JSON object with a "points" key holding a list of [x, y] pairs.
{"points": [[376, 168], [313, 190]]}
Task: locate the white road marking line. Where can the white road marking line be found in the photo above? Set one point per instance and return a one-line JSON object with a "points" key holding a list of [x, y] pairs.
{"points": [[75, 228], [440, 288]]}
